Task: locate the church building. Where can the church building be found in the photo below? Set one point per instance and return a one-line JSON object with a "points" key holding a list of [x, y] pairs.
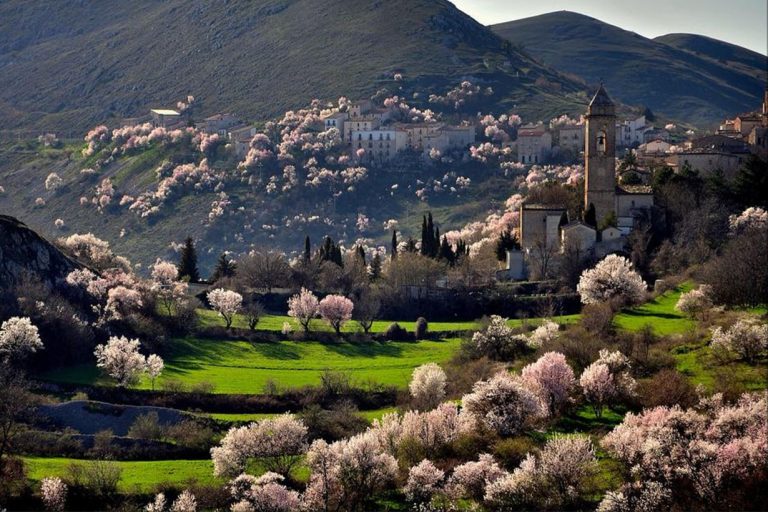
{"points": [[615, 209]]}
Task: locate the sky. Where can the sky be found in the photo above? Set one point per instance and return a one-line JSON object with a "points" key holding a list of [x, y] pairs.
{"points": [[741, 22]]}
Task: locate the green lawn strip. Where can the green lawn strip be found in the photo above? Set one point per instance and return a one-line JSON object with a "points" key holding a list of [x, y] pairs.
{"points": [[209, 318], [242, 418], [136, 476], [244, 367], [698, 363], [659, 313]]}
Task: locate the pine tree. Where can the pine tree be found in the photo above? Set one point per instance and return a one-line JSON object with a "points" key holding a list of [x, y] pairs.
{"points": [[225, 267], [376, 267], [307, 256], [394, 244], [188, 262]]}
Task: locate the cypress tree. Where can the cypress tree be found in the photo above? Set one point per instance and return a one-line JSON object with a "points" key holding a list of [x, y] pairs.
{"points": [[394, 244], [188, 262], [436, 242], [225, 267], [376, 267], [425, 237], [361, 254], [446, 252]]}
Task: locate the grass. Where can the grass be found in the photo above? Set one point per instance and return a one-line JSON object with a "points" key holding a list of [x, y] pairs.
{"points": [[136, 476], [699, 364], [243, 367], [210, 318], [659, 313], [242, 418]]}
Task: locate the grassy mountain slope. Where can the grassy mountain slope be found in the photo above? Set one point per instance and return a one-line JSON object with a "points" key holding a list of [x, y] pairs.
{"points": [[73, 64], [670, 79], [725, 53]]}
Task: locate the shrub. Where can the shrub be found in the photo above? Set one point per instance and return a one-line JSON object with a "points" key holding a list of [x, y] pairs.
{"points": [[420, 332], [146, 426], [396, 333], [597, 319], [513, 450], [668, 387]]}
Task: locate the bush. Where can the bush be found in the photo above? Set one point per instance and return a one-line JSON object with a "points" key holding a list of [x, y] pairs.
{"points": [[421, 328], [510, 452], [396, 333], [191, 434], [668, 387], [598, 319], [146, 426]]}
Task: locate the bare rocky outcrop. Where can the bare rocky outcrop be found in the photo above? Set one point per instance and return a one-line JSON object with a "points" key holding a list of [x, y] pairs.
{"points": [[24, 252]]}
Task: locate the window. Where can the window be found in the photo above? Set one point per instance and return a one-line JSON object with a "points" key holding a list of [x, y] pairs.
{"points": [[602, 142]]}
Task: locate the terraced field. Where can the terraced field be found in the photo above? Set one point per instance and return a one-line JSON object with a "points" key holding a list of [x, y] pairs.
{"points": [[244, 367]]}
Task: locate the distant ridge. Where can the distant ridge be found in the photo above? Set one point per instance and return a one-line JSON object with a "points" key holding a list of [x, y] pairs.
{"points": [[686, 77]]}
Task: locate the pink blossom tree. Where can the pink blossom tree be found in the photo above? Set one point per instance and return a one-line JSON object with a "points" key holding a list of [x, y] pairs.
{"points": [[469, 480], [503, 404], [612, 279], [279, 442], [303, 306], [424, 481], [265, 493], [748, 338], [552, 378], [554, 478], [336, 310], [225, 302], [18, 338]]}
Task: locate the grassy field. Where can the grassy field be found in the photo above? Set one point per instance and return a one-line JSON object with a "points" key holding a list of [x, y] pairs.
{"points": [[209, 318], [699, 364], [659, 313], [136, 476], [368, 415], [243, 367]]}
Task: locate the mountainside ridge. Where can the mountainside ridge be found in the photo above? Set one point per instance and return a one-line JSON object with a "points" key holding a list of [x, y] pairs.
{"points": [[671, 79]]}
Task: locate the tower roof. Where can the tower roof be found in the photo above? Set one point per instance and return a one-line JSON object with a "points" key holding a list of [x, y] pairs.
{"points": [[601, 98]]}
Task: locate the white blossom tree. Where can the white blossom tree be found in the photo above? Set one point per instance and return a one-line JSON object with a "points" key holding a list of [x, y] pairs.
{"points": [[53, 491], [279, 442], [748, 338], [18, 337], [695, 302], [427, 386], [424, 480], [611, 280], [186, 502], [303, 306], [504, 404], [154, 367], [226, 302], [121, 360], [551, 376]]}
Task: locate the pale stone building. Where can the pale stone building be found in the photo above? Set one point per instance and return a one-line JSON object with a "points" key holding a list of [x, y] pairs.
{"points": [[380, 145], [220, 123], [600, 156], [571, 137], [534, 144], [164, 117]]}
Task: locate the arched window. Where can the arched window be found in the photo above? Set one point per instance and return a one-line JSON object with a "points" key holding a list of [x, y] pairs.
{"points": [[601, 142]]}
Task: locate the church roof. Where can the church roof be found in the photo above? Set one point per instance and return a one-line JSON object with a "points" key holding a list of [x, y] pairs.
{"points": [[601, 99]]}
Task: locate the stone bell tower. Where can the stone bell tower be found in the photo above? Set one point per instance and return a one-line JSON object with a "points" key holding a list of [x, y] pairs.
{"points": [[600, 156]]}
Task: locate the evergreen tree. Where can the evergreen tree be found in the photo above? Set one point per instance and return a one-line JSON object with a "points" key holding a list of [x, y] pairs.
{"points": [[307, 250], [376, 267], [751, 183], [361, 254], [225, 267], [188, 262], [425, 238], [410, 245], [506, 242], [394, 244], [446, 252]]}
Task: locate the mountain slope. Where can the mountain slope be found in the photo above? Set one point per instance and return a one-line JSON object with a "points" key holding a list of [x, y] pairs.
{"points": [[89, 60], [637, 70], [715, 49]]}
